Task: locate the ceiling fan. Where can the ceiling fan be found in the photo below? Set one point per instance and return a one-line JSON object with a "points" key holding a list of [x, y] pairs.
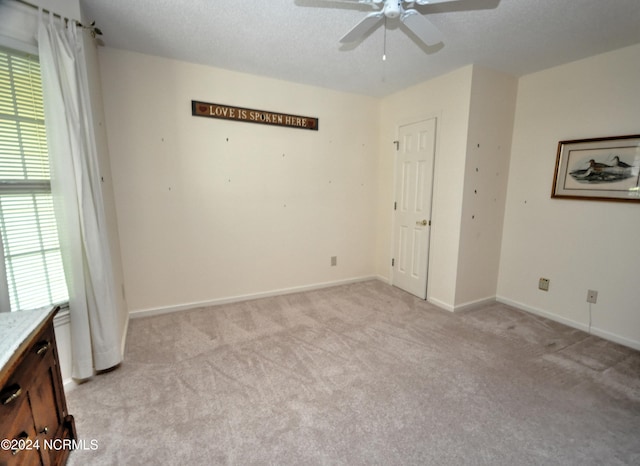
{"points": [[393, 9]]}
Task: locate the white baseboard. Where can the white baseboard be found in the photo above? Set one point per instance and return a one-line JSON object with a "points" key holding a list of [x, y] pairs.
{"points": [[247, 297], [440, 304], [68, 385], [473, 305], [464, 307], [615, 338], [543, 313], [571, 323]]}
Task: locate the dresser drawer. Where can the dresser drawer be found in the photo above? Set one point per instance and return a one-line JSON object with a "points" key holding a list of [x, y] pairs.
{"points": [[33, 409], [17, 425], [37, 359]]}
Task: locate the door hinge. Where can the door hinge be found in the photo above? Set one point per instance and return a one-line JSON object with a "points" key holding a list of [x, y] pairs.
{"points": [[397, 143], [395, 206], [429, 222], [393, 262]]}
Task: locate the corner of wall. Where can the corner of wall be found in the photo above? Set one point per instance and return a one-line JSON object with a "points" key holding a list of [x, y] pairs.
{"points": [[447, 98], [577, 244], [491, 118]]}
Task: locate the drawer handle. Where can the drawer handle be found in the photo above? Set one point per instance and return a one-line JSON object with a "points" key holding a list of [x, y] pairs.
{"points": [[43, 348], [17, 391]]}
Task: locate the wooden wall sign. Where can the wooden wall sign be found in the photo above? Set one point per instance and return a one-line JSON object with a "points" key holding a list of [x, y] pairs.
{"points": [[226, 112]]}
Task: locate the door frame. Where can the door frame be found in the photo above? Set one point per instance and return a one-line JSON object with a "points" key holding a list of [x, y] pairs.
{"points": [[399, 123]]}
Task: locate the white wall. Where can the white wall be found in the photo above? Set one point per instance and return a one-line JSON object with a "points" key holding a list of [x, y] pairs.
{"points": [[203, 219], [210, 209], [448, 99], [578, 245], [492, 108]]}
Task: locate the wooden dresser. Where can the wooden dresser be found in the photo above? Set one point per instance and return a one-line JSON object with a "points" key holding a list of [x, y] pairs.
{"points": [[35, 427]]}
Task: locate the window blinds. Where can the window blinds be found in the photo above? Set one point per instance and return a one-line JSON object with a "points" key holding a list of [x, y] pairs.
{"points": [[33, 263]]}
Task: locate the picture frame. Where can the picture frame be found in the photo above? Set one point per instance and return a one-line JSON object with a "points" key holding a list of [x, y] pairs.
{"points": [[598, 169]]}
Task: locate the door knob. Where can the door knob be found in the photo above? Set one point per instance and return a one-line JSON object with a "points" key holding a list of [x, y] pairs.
{"points": [[423, 223]]}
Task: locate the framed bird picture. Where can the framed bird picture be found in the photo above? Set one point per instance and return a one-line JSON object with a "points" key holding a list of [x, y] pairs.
{"points": [[600, 169]]}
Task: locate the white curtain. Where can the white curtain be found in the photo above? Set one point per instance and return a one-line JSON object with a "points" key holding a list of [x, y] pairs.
{"points": [[75, 185]]}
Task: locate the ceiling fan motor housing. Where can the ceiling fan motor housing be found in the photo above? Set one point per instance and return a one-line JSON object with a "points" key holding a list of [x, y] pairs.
{"points": [[423, 29], [392, 8]]}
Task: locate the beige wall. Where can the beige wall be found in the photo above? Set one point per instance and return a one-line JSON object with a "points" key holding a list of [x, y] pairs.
{"points": [[492, 107], [203, 219], [578, 245], [211, 210], [446, 98], [474, 108]]}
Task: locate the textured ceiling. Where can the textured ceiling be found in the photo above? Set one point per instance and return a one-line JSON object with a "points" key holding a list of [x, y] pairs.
{"points": [[298, 40]]}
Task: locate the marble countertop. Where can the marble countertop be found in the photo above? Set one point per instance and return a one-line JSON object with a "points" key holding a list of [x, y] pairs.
{"points": [[15, 327]]}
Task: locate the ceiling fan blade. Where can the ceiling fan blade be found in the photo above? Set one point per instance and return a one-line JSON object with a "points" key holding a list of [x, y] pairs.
{"points": [[355, 2], [431, 2], [421, 27], [364, 26]]}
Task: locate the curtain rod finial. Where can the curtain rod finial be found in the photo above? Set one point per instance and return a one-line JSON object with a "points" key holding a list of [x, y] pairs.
{"points": [[92, 28]]}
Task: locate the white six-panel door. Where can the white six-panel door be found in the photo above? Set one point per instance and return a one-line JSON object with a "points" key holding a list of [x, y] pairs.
{"points": [[412, 219]]}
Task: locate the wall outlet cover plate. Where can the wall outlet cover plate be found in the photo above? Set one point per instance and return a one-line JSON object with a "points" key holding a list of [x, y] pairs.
{"points": [[543, 284]]}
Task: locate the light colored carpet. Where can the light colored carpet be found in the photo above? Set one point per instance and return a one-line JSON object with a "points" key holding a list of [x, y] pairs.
{"points": [[360, 374]]}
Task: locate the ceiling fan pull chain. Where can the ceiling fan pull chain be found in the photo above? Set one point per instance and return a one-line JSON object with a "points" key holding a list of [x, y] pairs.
{"points": [[384, 46]]}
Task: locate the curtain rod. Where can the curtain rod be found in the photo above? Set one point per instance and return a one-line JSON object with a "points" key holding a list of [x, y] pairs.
{"points": [[36, 7], [91, 28]]}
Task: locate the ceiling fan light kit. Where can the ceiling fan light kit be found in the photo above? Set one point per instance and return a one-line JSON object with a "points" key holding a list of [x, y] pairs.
{"points": [[423, 29]]}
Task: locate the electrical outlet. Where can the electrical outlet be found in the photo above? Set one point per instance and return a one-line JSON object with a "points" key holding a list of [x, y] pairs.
{"points": [[334, 261], [592, 296], [543, 284]]}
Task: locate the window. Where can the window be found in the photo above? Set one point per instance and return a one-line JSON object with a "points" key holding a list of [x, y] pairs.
{"points": [[34, 276]]}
